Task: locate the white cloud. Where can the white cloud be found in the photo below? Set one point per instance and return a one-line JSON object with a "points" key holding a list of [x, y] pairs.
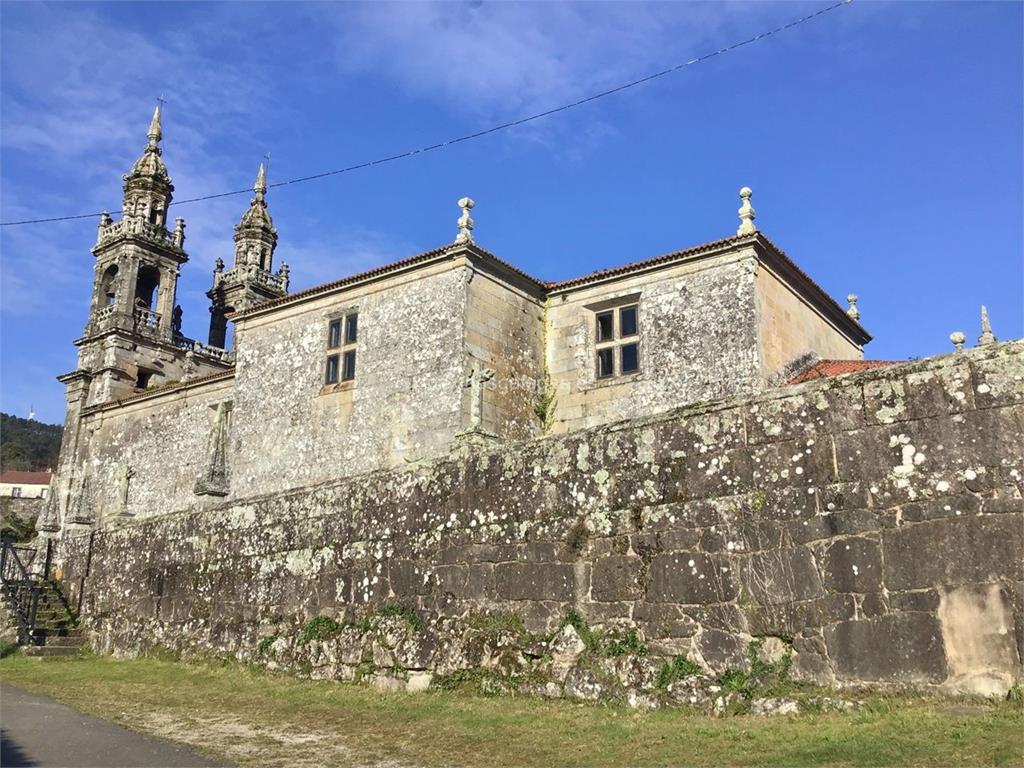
{"points": [[511, 58]]}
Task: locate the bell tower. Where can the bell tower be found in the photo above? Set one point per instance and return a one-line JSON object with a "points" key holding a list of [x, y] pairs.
{"points": [[251, 280], [133, 337]]}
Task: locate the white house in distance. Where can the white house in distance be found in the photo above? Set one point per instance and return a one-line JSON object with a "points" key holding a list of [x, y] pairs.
{"points": [[25, 485]]}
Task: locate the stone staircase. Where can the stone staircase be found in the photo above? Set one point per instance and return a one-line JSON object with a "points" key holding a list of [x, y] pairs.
{"points": [[34, 609]]}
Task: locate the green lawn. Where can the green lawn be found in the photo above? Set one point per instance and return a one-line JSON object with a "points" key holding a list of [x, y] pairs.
{"points": [[259, 718]]}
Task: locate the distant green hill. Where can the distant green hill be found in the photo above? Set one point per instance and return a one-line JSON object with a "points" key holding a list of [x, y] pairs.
{"points": [[26, 444]]}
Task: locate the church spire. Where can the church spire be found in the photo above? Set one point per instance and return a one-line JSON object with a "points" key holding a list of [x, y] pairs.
{"points": [[147, 186], [251, 280], [260, 187], [155, 133]]}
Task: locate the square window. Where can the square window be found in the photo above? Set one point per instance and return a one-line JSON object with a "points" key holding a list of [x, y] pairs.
{"points": [[334, 334], [605, 363], [331, 374], [627, 321], [351, 327], [630, 358], [348, 371], [16, 492], [605, 326]]}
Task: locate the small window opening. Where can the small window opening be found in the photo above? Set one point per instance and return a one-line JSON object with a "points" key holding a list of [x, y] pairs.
{"points": [[617, 341], [349, 369], [143, 379], [331, 374], [630, 358], [334, 334], [627, 321], [342, 333], [16, 492]]}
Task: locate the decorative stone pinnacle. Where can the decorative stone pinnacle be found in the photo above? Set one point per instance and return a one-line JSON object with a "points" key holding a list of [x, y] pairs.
{"points": [[853, 311], [747, 213], [260, 187], [465, 222], [987, 337], [179, 231], [958, 338], [155, 133]]}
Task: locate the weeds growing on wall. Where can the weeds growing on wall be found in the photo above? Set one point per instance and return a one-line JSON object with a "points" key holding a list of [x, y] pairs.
{"points": [[610, 643], [319, 628], [677, 668], [576, 538], [372, 620]]}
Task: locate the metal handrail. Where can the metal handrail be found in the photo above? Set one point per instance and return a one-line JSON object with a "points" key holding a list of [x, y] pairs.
{"points": [[22, 587]]}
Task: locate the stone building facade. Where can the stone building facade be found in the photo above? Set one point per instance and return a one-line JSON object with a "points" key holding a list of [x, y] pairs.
{"points": [[402, 363], [410, 450]]}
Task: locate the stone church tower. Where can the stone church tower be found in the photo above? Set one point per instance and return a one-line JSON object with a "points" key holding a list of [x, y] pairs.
{"points": [[251, 280], [131, 339]]}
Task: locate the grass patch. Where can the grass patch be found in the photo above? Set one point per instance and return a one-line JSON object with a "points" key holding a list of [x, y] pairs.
{"points": [[7, 648], [257, 718]]}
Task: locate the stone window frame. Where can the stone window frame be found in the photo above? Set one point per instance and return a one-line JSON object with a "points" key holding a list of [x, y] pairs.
{"points": [[611, 347], [340, 364]]}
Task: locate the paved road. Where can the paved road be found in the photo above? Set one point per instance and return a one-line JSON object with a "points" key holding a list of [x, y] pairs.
{"points": [[37, 731]]}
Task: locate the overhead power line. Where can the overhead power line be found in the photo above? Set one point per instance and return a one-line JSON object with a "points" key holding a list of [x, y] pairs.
{"points": [[486, 131]]}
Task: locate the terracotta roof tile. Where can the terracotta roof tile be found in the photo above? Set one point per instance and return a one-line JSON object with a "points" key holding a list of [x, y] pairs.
{"points": [[644, 263], [384, 269], [824, 369], [16, 477], [624, 269]]}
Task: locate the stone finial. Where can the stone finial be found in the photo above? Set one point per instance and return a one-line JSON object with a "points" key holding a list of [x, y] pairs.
{"points": [[179, 231], [218, 265], [260, 187], [987, 337], [465, 222], [958, 338], [853, 312], [283, 271], [155, 133], [747, 213]]}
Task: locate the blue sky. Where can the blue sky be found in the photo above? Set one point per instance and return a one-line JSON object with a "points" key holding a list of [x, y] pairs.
{"points": [[882, 141]]}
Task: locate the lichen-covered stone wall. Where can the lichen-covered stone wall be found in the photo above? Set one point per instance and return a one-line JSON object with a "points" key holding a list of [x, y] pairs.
{"points": [[697, 334], [868, 528], [160, 443], [289, 430]]}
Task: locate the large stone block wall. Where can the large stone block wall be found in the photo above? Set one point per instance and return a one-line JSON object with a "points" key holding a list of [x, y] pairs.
{"points": [[162, 441], [698, 341], [789, 327], [405, 402], [504, 332], [873, 523]]}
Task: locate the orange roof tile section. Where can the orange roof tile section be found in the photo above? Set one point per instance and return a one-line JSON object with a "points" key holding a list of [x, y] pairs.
{"points": [[824, 369], [15, 477]]}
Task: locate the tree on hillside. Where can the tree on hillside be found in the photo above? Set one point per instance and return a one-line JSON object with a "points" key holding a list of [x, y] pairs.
{"points": [[28, 445]]}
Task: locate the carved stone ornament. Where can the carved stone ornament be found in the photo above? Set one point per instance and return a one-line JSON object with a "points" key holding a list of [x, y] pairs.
{"points": [[214, 480]]}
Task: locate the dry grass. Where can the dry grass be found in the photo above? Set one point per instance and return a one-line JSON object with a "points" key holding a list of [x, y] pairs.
{"points": [[261, 719]]}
